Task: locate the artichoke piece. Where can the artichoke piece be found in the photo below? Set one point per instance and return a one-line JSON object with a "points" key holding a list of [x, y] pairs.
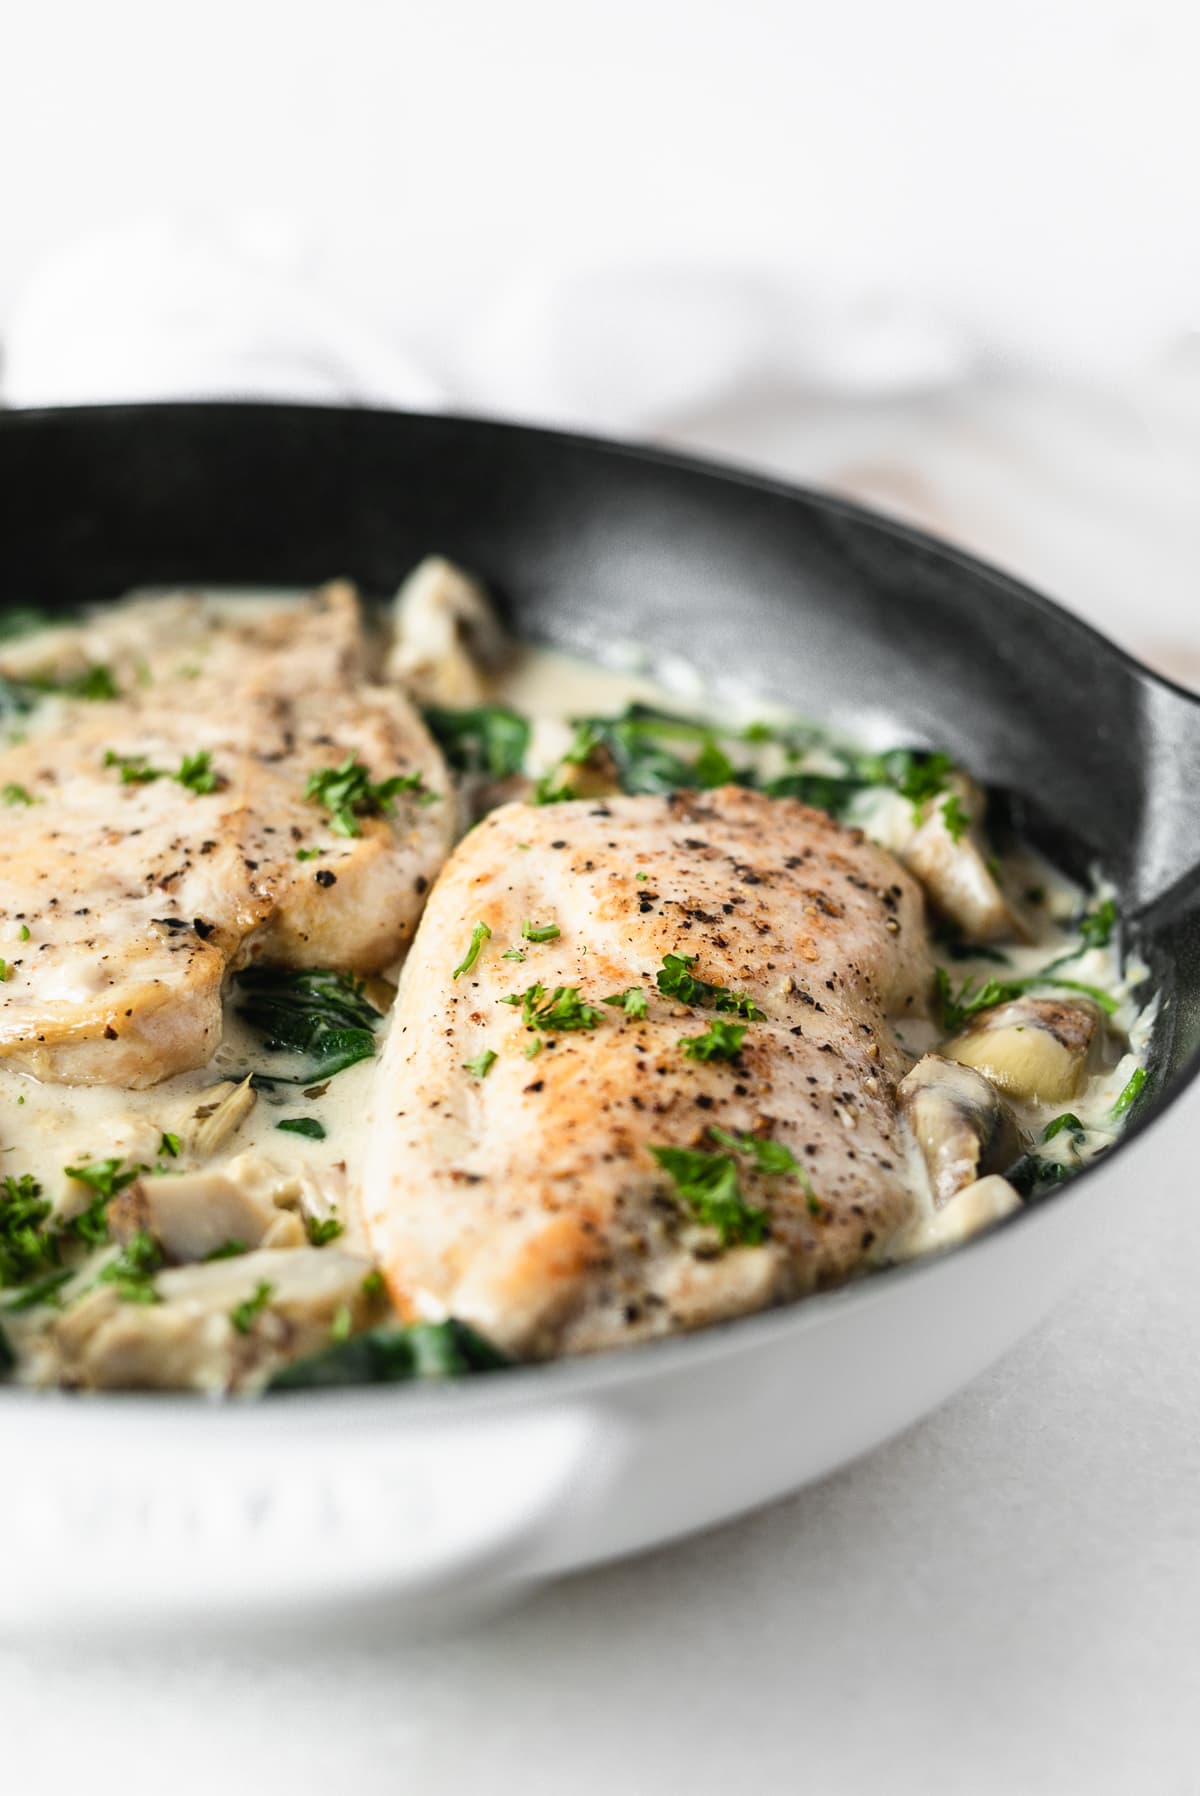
{"points": [[446, 636], [952, 867], [192, 1214], [973, 1208], [1037, 1050], [962, 1125], [218, 1114], [225, 1326]]}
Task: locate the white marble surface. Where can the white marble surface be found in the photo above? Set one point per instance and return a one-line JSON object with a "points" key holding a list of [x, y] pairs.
{"points": [[1006, 1599]]}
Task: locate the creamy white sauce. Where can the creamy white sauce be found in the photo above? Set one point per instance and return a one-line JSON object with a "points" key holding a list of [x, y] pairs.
{"points": [[47, 1128]]}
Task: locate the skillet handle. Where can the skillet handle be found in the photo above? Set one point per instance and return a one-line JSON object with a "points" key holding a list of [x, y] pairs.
{"points": [[1165, 876], [437, 1517]]}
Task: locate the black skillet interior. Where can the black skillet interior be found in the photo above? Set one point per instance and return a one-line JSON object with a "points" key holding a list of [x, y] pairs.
{"points": [[808, 601]]}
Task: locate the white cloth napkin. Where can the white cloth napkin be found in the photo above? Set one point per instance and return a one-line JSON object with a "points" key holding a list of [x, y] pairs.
{"points": [[160, 309]]}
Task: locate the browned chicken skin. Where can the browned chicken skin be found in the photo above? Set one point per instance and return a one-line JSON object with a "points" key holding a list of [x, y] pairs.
{"points": [[528, 1200]]}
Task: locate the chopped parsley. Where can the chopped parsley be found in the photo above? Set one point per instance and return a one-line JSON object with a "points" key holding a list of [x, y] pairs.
{"points": [[1096, 926], [956, 819], [317, 1013], [561, 1009], [547, 933], [132, 1272], [26, 1246], [135, 769], [23, 933], [303, 1125], [773, 1158], [103, 1176], [482, 1064], [196, 773], [14, 794], [170, 1145], [348, 792], [1131, 1092], [487, 739], [675, 979], [546, 792], [308, 854], [479, 935], [95, 683], [245, 1314], [322, 1230], [632, 1001], [720, 1041], [5, 971], [232, 1249], [708, 1184]]}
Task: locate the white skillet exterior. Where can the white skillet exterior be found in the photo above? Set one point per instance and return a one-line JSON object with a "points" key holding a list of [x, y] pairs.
{"points": [[437, 1501]]}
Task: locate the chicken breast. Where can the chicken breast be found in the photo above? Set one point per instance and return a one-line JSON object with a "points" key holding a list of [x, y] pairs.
{"points": [[154, 840], [572, 1169]]}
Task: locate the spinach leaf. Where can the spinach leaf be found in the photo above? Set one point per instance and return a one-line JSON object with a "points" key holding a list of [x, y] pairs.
{"points": [[317, 1013], [489, 739], [394, 1354]]}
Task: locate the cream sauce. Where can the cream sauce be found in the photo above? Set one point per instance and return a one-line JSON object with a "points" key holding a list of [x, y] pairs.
{"points": [[47, 1128]]}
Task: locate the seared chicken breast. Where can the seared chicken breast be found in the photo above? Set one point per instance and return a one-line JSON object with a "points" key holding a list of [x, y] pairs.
{"points": [[155, 839], [641, 1072]]}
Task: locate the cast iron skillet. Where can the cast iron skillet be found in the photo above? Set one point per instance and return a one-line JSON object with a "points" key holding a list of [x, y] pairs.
{"points": [[474, 1486], [811, 601]]}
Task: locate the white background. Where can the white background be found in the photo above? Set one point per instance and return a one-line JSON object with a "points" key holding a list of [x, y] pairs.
{"points": [[974, 230]]}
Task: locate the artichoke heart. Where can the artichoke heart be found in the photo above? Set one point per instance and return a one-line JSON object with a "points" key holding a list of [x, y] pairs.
{"points": [[1037, 1050]]}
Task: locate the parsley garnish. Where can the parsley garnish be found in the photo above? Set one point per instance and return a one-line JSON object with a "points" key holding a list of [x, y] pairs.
{"points": [[482, 1064], [956, 819], [479, 935], [196, 773], [546, 792], [303, 1125], [676, 980], [1096, 926], [135, 769], [545, 934], [132, 1272], [632, 1001], [708, 1184], [308, 854], [322, 1230], [720, 1041], [561, 1009], [773, 1158], [5, 971], [245, 1314], [14, 794], [104, 1176], [228, 1250], [169, 1146], [348, 793], [26, 1246]]}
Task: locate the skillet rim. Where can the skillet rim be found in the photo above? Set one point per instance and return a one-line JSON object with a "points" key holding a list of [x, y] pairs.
{"points": [[566, 1378]]}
